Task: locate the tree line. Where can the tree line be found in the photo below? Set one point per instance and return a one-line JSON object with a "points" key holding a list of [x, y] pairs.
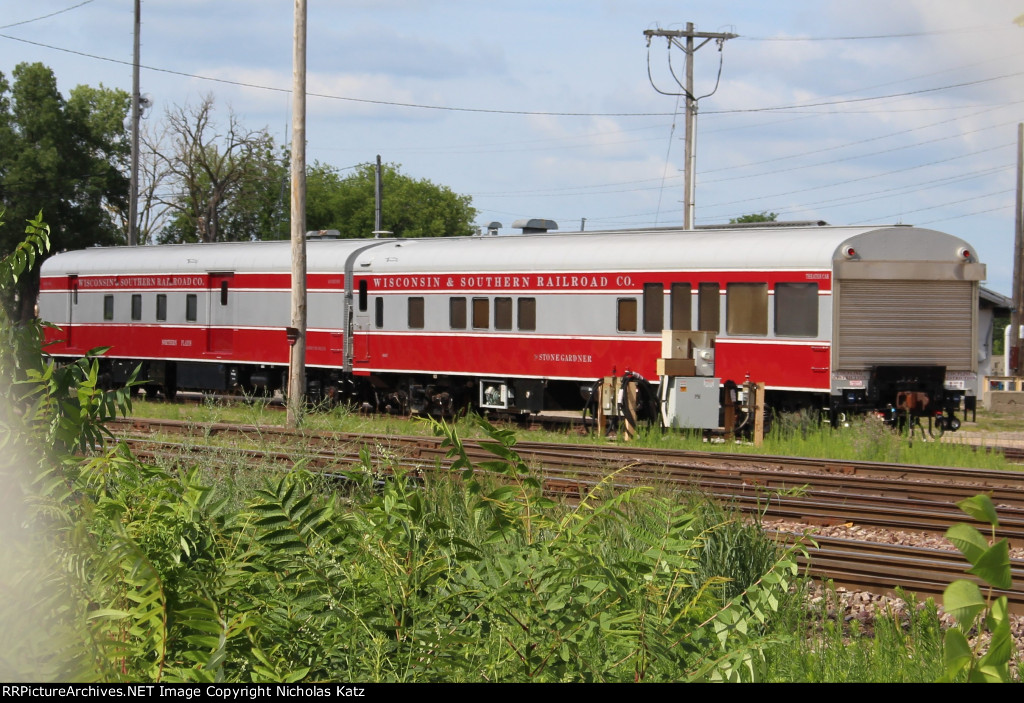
{"points": [[204, 176]]}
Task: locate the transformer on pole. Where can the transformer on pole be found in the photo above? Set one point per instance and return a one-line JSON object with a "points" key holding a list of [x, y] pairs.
{"points": [[688, 48]]}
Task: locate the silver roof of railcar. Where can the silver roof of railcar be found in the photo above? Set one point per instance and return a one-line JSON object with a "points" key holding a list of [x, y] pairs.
{"points": [[742, 249], [745, 249]]}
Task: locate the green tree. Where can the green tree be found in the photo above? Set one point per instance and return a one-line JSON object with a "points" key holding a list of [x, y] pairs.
{"points": [[410, 207], [763, 216], [68, 157]]}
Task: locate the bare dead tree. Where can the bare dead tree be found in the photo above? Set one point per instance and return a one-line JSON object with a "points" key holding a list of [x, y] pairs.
{"points": [[154, 196], [202, 164]]}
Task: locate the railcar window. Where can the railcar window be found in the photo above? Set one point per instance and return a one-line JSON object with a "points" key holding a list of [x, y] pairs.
{"points": [[136, 307], [681, 303], [654, 307], [796, 309], [108, 307], [528, 314], [746, 308], [223, 292], [362, 296], [481, 313], [378, 312], [415, 313], [708, 308], [503, 313], [191, 307], [74, 294], [161, 307], [626, 318], [457, 313]]}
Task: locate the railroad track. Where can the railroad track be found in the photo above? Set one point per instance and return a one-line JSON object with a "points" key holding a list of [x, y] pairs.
{"points": [[862, 566], [894, 497]]}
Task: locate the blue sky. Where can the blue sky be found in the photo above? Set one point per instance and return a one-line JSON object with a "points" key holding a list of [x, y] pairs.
{"points": [[863, 112]]}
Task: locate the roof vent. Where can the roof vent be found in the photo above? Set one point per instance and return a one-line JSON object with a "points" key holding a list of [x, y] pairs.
{"points": [[323, 234], [535, 225]]}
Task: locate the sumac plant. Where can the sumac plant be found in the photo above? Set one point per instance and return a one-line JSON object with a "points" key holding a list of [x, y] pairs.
{"points": [[976, 612]]}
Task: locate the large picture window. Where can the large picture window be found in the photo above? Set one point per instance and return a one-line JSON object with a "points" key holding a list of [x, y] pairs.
{"points": [[796, 309], [746, 308]]}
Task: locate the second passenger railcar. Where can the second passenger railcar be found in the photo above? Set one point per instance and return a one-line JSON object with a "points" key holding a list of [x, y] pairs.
{"points": [[833, 317]]}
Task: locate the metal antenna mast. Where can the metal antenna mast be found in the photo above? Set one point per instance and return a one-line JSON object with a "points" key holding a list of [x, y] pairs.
{"points": [[688, 48]]}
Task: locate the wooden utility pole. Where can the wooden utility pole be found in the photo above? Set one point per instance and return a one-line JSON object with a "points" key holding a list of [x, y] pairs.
{"points": [[133, 197], [297, 357], [378, 196], [689, 49], [1017, 316]]}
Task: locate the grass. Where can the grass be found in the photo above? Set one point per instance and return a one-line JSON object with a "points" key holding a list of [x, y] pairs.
{"points": [[865, 439], [893, 647]]}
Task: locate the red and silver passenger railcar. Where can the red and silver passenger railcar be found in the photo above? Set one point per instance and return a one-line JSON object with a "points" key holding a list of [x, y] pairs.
{"points": [[837, 317]]}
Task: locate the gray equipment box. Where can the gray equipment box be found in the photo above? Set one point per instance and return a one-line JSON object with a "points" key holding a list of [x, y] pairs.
{"points": [[692, 402]]}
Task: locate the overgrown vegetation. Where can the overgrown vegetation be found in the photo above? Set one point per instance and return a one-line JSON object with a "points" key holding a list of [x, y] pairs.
{"points": [[143, 573]]}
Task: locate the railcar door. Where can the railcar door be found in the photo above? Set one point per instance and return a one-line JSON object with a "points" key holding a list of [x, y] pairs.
{"points": [[361, 325], [69, 328], [222, 313]]}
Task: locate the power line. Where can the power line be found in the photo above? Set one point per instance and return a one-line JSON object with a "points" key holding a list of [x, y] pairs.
{"points": [[902, 147], [366, 101], [886, 193], [43, 17], [862, 178], [517, 145], [492, 111], [966, 214], [944, 204], [583, 190], [847, 101], [902, 35]]}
